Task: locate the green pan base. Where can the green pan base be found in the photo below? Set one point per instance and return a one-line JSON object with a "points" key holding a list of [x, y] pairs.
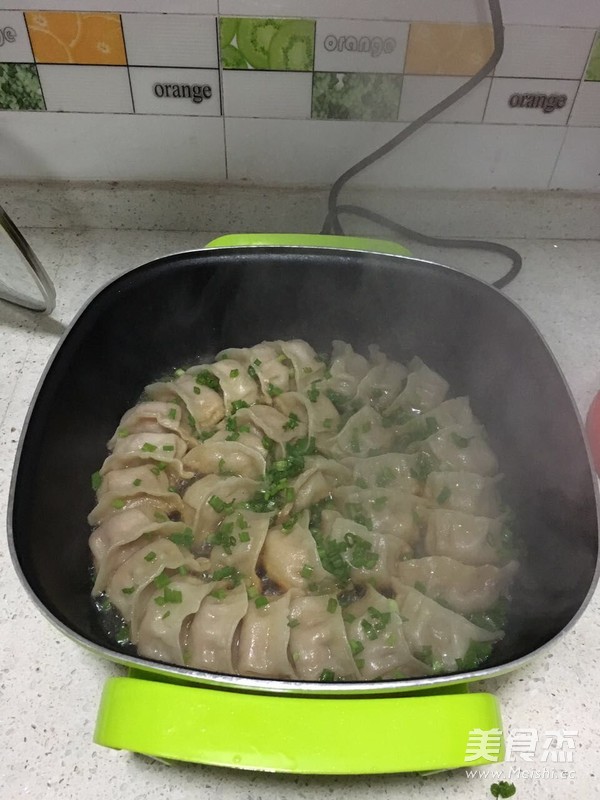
{"points": [[313, 735]]}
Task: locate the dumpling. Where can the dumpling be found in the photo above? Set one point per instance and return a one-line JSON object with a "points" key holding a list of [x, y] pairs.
{"points": [[243, 548], [464, 491], [382, 383], [461, 448], [464, 537], [369, 555], [211, 634], [111, 542], [393, 471], [346, 370], [461, 587], [223, 457], [159, 448], [424, 389], [128, 587], [376, 638], [153, 416], [162, 626], [290, 557], [305, 363], [204, 404], [235, 382], [317, 413], [158, 507], [131, 480], [265, 362], [206, 501], [362, 435], [320, 477], [384, 510], [435, 632], [270, 422], [318, 644], [264, 639]]}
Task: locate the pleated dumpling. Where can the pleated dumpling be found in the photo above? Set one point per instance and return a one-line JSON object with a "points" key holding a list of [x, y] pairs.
{"points": [[316, 412], [392, 471], [210, 637], [153, 416], [363, 435], [264, 639], [424, 389], [441, 636], [163, 626], [318, 643], [207, 501], [291, 559], [306, 365], [383, 382], [162, 450], [461, 587], [235, 384], [319, 478], [346, 370], [467, 538], [461, 448], [243, 545], [242, 455], [464, 491], [376, 637], [204, 403]]}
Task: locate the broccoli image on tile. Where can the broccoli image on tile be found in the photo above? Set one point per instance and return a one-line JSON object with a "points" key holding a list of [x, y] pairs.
{"points": [[20, 88], [355, 95], [267, 44], [593, 68]]}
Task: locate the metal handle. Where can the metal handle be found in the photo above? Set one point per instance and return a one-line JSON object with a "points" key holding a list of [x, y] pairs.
{"points": [[38, 273]]}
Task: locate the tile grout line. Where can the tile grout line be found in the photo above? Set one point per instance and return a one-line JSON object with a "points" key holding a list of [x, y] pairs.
{"points": [[560, 149]]}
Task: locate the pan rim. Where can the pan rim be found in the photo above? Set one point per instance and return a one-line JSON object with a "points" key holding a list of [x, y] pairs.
{"points": [[266, 685]]}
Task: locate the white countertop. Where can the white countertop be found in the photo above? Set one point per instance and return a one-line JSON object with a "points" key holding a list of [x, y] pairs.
{"points": [[50, 687]]}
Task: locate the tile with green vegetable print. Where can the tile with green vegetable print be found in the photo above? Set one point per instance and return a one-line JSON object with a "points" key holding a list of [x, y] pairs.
{"points": [[20, 88], [593, 68], [267, 44], [356, 95]]}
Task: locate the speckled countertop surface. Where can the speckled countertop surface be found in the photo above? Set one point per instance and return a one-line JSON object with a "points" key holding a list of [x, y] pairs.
{"points": [[50, 687]]}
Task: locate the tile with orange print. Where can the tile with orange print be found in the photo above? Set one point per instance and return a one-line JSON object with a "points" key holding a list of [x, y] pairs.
{"points": [[75, 37], [447, 49]]}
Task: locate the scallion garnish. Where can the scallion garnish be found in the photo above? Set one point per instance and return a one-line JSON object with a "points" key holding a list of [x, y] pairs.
{"points": [[172, 413], [151, 556], [184, 538], [292, 422], [118, 503], [460, 441], [168, 448], [206, 378], [137, 482], [234, 373], [96, 481], [122, 433], [219, 594], [443, 496], [332, 605], [261, 601], [306, 571], [244, 536], [128, 590], [273, 391], [147, 447]]}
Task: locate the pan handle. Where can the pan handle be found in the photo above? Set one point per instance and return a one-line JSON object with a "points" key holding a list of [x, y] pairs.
{"points": [[309, 240], [310, 735]]}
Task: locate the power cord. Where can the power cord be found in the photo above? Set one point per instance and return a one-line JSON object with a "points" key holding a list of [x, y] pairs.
{"points": [[332, 222]]}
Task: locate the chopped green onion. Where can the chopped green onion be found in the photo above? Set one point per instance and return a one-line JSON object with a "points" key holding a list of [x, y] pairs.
{"points": [[293, 623], [313, 394], [166, 614], [306, 571], [332, 605], [137, 482], [218, 594], [151, 556], [128, 590], [197, 390], [237, 404], [443, 496], [459, 441], [251, 371], [234, 373], [206, 378], [257, 362], [147, 447], [327, 423], [261, 601], [356, 646], [179, 372], [168, 448], [292, 422], [183, 538], [307, 370], [267, 443], [348, 617], [162, 580], [96, 481], [223, 572], [273, 391], [122, 433], [220, 506], [118, 502], [244, 536], [242, 522], [160, 517], [290, 522], [327, 676], [182, 570], [169, 596], [172, 413]]}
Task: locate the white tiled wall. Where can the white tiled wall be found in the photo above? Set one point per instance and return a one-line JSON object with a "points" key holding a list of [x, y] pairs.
{"points": [[171, 112]]}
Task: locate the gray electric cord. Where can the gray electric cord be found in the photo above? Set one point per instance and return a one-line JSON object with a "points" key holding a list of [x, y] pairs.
{"points": [[332, 222]]}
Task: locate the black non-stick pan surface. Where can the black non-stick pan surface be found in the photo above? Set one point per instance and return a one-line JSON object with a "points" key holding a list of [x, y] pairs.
{"points": [[183, 309]]}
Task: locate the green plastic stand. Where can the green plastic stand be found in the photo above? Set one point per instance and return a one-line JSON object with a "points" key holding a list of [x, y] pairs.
{"points": [[309, 240], [283, 733]]}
